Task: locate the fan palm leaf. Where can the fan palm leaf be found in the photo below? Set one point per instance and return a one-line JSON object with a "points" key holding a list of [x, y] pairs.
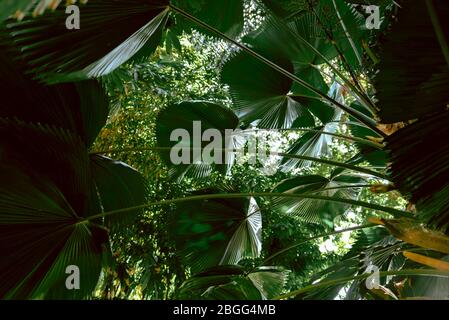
{"points": [[57, 54], [217, 232]]}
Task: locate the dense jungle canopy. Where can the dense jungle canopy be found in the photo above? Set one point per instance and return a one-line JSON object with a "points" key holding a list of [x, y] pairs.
{"points": [[345, 101]]}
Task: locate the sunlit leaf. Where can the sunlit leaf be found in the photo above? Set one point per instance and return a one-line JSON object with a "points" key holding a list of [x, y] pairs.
{"points": [[414, 233], [231, 283], [339, 185]]}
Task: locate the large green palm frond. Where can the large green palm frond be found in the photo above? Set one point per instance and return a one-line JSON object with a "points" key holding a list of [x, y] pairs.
{"points": [[413, 75], [119, 186], [233, 283], [57, 54], [60, 160], [55, 153], [373, 247], [262, 94], [51, 186], [340, 185], [217, 232], [182, 130], [81, 108], [337, 20], [40, 237], [312, 144], [316, 143], [42, 233]]}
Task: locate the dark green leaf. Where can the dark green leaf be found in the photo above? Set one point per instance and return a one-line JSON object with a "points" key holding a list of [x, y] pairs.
{"points": [[413, 75], [57, 54], [286, 8], [231, 283], [224, 15], [40, 236], [203, 115], [55, 153], [217, 232], [119, 186], [262, 93], [81, 108]]}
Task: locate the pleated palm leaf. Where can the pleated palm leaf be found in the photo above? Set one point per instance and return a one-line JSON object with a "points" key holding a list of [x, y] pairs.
{"points": [[338, 20], [188, 146], [233, 283], [54, 171], [340, 185], [216, 232], [52, 187], [56, 54], [418, 165], [413, 72], [224, 15], [316, 143], [373, 247], [262, 94]]}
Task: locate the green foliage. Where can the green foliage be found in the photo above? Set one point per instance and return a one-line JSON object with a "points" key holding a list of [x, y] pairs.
{"points": [[138, 33], [164, 230], [232, 283], [339, 185], [261, 93], [224, 15], [372, 247], [412, 83], [182, 117], [119, 186], [45, 154], [217, 232], [9, 7]]}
